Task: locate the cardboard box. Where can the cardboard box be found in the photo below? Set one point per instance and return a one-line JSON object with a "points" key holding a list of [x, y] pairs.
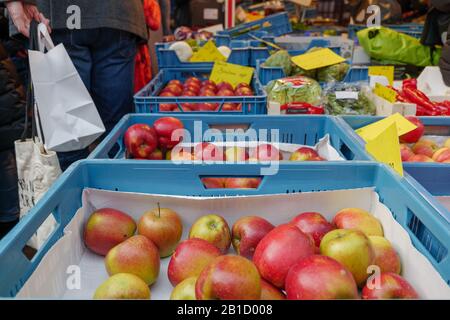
{"points": [[50, 278]]}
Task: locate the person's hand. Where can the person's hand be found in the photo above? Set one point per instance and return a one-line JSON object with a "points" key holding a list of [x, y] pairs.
{"points": [[22, 14]]}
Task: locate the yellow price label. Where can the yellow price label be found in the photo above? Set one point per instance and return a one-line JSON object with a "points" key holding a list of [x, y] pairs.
{"points": [[231, 73], [385, 93], [373, 130], [208, 53], [317, 59], [385, 148], [386, 71]]}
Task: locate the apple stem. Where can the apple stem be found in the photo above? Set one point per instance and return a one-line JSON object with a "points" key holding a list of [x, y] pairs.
{"points": [[159, 210]]}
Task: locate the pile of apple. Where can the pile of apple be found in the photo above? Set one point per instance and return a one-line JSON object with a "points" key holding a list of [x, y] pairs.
{"points": [[414, 148], [305, 258], [194, 87], [145, 142]]}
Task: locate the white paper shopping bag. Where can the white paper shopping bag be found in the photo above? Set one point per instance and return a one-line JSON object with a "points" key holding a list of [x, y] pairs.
{"points": [[69, 118]]}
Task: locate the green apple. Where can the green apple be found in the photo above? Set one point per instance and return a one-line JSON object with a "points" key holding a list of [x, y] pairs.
{"points": [[352, 248], [185, 290]]}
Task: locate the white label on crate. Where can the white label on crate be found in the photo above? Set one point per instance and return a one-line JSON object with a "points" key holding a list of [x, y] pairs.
{"points": [[346, 95], [210, 14]]}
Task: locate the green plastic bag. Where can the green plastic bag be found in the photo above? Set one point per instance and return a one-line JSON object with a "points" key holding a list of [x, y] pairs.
{"points": [[386, 44]]}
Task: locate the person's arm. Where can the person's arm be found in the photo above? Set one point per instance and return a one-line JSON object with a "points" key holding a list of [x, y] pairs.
{"points": [[22, 13], [441, 5]]}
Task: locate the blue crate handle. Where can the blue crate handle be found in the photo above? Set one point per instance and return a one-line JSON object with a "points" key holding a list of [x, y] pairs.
{"points": [[344, 144], [65, 194]]}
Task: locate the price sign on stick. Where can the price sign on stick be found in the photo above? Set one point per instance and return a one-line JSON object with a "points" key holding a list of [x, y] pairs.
{"points": [[317, 59], [373, 130], [208, 53], [385, 71], [386, 148], [231, 73], [385, 93]]}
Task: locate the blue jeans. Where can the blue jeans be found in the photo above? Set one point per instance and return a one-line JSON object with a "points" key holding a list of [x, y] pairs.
{"points": [[9, 196], [104, 58]]}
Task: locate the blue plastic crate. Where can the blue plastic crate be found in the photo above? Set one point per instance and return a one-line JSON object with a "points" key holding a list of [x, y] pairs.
{"points": [[240, 54], [300, 45], [411, 29], [273, 25], [305, 130], [148, 101], [267, 74], [429, 232], [434, 177]]}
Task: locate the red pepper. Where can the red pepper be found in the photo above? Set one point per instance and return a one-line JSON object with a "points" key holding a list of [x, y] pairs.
{"points": [[302, 108], [443, 107], [417, 97], [410, 83], [399, 97]]}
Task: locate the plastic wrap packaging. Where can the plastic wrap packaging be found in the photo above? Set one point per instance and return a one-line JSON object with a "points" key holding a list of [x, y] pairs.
{"points": [[348, 99], [294, 89]]}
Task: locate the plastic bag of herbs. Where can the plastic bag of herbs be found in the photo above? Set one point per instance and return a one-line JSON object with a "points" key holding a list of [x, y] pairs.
{"points": [[348, 99], [282, 59]]}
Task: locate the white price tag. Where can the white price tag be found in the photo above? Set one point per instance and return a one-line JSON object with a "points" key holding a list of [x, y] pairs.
{"points": [[211, 14], [346, 95]]}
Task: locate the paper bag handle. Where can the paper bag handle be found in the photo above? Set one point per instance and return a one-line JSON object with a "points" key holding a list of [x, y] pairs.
{"points": [[44, 39]]}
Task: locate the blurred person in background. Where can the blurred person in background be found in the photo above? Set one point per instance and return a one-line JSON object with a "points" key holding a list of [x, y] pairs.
{"points": [[165, 16], [12, 120], [103, 50], [437, 32]]}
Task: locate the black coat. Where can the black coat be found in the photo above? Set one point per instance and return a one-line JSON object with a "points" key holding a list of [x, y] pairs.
{"points": [[12, 102]]}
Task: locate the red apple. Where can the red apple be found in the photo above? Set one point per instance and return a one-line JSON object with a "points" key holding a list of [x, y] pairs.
{"points": [[224, 85], [279, 250], [386, 258], [208, 107], [247, 232], [304, 154], [106, 228], [163, 227], [442, 155], [176, 82], [425, 147], [136, 255], [192, 87], [190, 258], [188, 93], [420, 158], [243, 91], [207, 93], [392, 286], [229, 107], [320, 278], [416, 134], [173, 88], [156, 155], [169, 130], [236, 154], [269, 292], [208, 152], [213, 183], [242, 85], [141, 140], [208, 88], [166, 94], [193, 80], [242, 183], [358, 219], [406, 152], [266, 152], [314, 224], [167, 107], [225, 93], [208, 83], [229, 278], [214, 229]]}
